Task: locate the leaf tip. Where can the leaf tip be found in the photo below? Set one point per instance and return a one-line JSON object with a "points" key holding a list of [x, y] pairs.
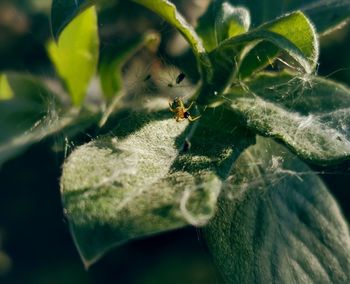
{"points": [[63, 12]]}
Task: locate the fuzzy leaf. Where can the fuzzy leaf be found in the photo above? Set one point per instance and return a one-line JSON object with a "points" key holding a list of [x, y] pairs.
{"points": [[75, 55], [325, 14], [139, 181], [309, 95], [222, 21], [277, 223], [309, 115]]}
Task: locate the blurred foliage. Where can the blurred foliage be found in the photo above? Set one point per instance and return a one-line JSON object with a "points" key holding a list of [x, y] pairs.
{"points": [[35, 245]]}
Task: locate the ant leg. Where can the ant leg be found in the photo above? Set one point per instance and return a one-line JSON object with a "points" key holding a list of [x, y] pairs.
{"points": [[170, 107], [191, 104], [181, 103], [191, 119]]}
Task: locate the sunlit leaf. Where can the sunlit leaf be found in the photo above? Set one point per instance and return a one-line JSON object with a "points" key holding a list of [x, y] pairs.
{"points": [[299, 42], [168, 12], [297, 29], [146, 178], [63, 11], [75, 55], [5, 89], [277, 223]]}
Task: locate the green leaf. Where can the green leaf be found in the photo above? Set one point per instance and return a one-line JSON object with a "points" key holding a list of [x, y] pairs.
{"points": [[277, 223], [228, 55], [168, 12], [297, 29], [5, 89], [30, 115], [308, 114], [145, 178], [222, 21], [326, 15], [111, 65], [75, 56], [299, 42], [63, 11]]}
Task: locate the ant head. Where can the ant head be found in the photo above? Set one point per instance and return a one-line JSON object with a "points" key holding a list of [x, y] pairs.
{"points": [[176, 101]]}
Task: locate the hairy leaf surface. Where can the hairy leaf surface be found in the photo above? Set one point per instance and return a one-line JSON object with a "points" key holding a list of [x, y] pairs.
{"points": [[146, 178], [310, 114], [277, 222]]}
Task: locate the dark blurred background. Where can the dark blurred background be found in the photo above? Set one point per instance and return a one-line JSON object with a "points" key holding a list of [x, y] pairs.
{"points": [[35, 244]]}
